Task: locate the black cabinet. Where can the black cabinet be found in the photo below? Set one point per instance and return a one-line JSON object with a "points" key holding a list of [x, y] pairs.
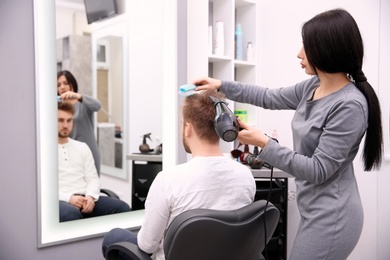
{"points": [[145, 168], [276, 190]]}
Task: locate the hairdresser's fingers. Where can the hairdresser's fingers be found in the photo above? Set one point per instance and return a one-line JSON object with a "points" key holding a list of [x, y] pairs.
{"points": [[200, 81], [251, 135], [207, 83], [242, 124], [69, 95]]}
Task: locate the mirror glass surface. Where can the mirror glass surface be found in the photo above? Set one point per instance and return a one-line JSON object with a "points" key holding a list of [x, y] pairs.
{"points": [[94, 54]]}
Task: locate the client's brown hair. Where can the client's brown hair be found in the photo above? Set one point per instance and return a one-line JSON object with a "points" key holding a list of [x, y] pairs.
{"points": [[65, 106], [198, 109]]}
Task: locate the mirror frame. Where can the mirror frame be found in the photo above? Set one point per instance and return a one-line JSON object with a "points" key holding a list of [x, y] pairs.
{"points": [[50, 230]]}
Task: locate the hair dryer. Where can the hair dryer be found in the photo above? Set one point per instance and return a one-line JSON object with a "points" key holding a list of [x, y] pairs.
{"points": [[226, 124]]}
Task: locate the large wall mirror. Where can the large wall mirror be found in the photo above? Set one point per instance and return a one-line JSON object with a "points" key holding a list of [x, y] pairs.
{"points": [[109, 82]]}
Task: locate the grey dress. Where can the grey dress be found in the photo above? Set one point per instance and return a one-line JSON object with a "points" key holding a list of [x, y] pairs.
{"points": [[326, 136], [83, 126]]}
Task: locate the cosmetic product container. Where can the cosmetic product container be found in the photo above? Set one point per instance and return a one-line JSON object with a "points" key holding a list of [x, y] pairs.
{"points": [[219, 46], [249, 52], [238, 37]]}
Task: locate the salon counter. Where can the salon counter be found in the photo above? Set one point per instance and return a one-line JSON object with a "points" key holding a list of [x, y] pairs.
{"points": [[266, 173], [147, 157]]}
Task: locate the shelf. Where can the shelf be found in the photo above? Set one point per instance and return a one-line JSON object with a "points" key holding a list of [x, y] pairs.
{"points": [[243, 63], [216, 58], [241, 3]]}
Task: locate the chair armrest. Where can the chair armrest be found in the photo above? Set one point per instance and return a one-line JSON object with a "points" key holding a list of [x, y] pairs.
{"points": [[109, 193], [127, 248]]}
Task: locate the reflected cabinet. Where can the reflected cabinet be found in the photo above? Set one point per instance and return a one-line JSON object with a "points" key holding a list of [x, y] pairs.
{"points": [[145, 168]]}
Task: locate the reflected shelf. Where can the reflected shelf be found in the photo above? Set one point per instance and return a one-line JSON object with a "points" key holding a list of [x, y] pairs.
{"points": [[243, 63], [218, 58]]}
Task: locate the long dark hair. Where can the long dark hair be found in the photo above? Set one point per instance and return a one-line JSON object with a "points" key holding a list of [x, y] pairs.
{"points": [[333, 43], [70, 78]]}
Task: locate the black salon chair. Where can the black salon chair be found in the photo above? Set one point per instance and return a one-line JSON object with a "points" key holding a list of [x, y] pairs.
{"points": [[212, 235], [109, 193]]}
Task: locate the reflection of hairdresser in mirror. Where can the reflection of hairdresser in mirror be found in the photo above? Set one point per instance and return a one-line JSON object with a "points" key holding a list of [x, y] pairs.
{"points": [[85, 106], [334, 110], [79, 184]]}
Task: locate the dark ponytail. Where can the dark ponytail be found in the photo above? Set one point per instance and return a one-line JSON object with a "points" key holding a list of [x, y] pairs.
{"points": [[372, 153]]}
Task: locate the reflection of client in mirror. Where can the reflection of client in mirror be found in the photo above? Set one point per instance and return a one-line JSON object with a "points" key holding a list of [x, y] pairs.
{"points": [[85, 106], [79, 184]]}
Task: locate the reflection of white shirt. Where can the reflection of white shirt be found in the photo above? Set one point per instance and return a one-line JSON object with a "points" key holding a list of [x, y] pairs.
{"points": [[76, 171], [203, 182]]}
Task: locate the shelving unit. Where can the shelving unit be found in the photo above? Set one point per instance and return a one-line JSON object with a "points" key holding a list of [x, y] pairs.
{"points": [[200, 61]]}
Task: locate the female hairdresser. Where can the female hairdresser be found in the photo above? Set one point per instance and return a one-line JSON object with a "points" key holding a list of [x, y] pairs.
{"points": [[85, 106], [334, 110]]}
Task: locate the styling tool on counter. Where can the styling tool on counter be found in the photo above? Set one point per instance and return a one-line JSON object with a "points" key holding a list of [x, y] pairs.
{"points": [[144, 147]]}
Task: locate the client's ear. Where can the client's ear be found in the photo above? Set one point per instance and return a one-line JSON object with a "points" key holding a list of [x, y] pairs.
{"points": [[188, 129]]}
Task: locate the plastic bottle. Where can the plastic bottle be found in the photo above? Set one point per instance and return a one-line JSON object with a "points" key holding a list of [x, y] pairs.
{"points": [[210, 39], [238, 37], [219, 47], [249, 52]]}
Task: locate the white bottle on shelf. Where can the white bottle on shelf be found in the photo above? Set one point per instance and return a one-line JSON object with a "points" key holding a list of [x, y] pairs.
{"points": [[210, 39], [219, 46], [249, 52]]}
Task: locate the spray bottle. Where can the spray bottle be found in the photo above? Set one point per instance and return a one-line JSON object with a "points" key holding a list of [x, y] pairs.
{"points": [[144, 147]]}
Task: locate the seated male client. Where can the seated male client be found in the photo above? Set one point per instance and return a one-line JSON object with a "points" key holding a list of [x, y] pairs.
{"points": [[79, 183], [209, 180]]}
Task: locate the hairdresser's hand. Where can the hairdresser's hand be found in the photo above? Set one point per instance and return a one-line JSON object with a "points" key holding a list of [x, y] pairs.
{"points": [[70, 95], [251, 135], [207, 83]]}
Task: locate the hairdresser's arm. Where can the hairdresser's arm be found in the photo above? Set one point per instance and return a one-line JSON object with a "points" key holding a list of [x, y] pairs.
{"points": [[277, 98], [91, 103], [334, 152]]}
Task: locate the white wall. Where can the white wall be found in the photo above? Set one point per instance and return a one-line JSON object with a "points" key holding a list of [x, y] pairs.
{"points": [[383, 180], [70, 19], [280, 41]]}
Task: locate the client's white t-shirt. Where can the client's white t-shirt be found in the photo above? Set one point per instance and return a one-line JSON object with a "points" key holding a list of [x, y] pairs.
{"points": [[204, 182]]}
